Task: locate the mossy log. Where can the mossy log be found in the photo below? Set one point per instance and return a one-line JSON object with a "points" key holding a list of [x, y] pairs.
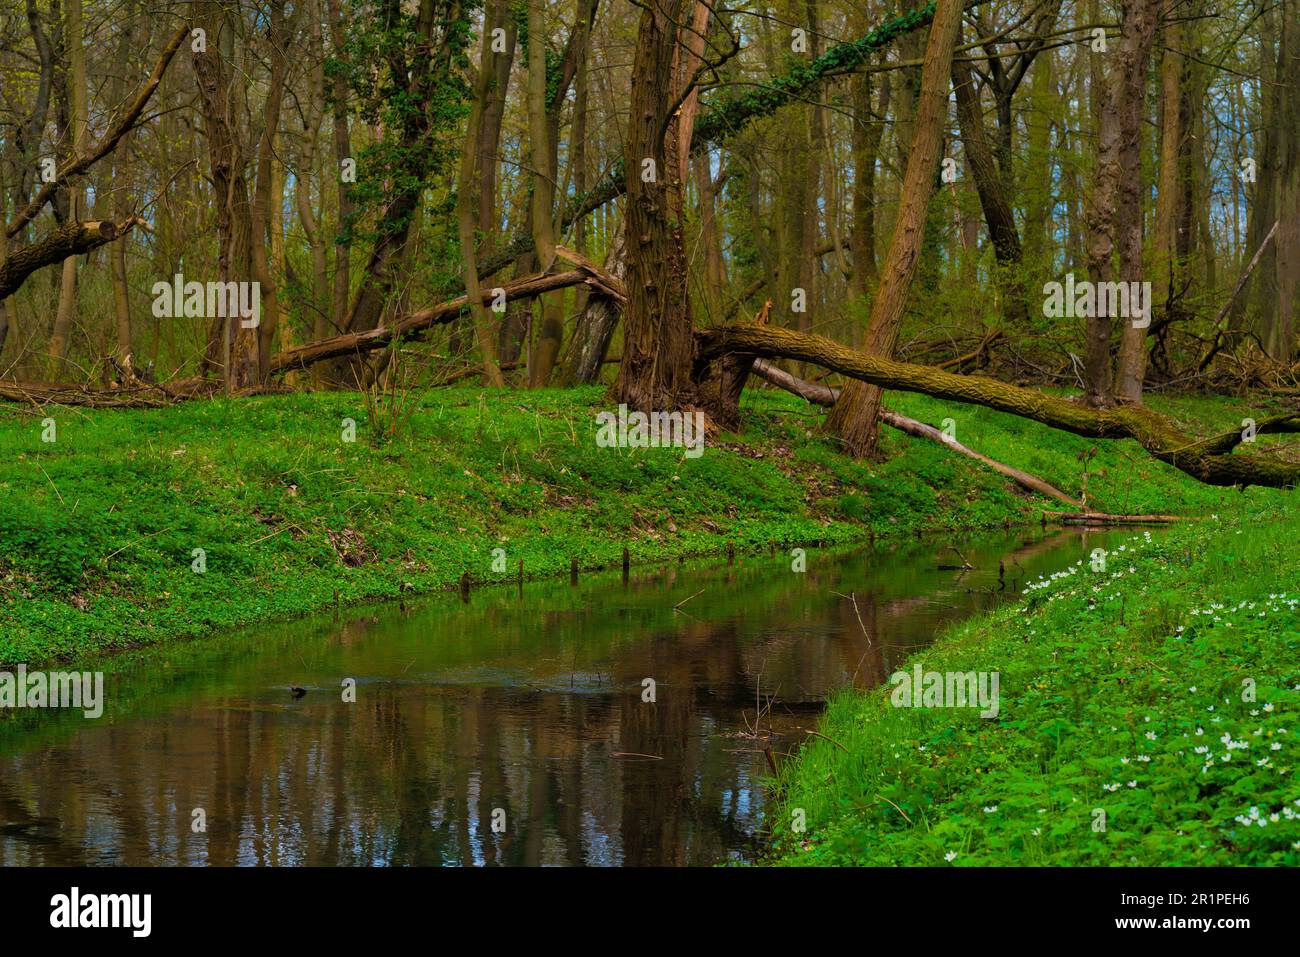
{"points": [[1209, 460]]}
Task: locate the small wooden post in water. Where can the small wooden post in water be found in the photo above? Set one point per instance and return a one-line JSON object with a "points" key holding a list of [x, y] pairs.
{"points": [[627, 564], [731, 553], [573, 571], [521, 578], [464, 587]]}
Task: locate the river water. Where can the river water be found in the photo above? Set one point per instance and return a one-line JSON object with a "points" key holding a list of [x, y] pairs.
{"points": [[511, 729]]}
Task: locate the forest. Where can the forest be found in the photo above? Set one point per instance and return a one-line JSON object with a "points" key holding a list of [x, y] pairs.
{"points": [[311, 304]]}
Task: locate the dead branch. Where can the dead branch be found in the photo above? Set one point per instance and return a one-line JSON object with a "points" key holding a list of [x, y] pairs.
{"points": [[1217, 344], [1101, 518], [826, 396]]}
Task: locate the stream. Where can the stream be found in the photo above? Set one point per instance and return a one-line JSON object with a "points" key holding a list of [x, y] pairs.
{"points": [[509, 729]]}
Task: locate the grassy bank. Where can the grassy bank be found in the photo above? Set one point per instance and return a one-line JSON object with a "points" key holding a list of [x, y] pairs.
{"points": [[1161, 693], [99, 528]]}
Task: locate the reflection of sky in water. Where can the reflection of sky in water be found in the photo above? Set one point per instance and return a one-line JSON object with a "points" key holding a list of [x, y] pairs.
{"points": [[532, 705]]}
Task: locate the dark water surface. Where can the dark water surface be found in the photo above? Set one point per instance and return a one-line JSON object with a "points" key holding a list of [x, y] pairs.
{"points": [[531, 704]]}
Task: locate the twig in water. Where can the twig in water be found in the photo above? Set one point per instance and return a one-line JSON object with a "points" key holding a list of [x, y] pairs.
{"points": [[685, 600]]}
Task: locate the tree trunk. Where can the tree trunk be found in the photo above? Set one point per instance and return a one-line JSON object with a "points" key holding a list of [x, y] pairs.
{"points": [[596, 323], [231, 347], [542, 160], [468, 211], [853, 419], [1117, 183], [867, 132], [1129, 102], [342, 153], [267, 193], [998, 216], [655, 373], [74, 44]]}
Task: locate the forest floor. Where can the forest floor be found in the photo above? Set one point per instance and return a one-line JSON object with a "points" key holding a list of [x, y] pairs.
{"points": [[100, 529], [1147, 716]]}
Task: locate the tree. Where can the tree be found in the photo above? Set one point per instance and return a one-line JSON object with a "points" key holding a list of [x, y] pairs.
{"points": [[656, 369], [853, 418]]}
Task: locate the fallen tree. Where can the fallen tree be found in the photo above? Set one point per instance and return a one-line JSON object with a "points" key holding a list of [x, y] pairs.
{"points": [[73, 238], [1209, 460], [825, 396], [415, 324], [137, 395]]}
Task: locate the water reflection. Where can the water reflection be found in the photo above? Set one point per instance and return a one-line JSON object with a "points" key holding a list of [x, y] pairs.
{"points": [[527, 707]]}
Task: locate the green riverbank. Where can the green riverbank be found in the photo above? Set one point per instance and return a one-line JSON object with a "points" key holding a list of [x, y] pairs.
{"points": [[100, 528], [1147, 716]]}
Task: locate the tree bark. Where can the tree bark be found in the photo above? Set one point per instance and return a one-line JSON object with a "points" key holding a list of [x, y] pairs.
{"points": [[542, 158], [853, 419], [1132, 359], [356, 344], [75, 46], [655, 373], [1115, 209], [71, 239], [998, 216], [469, 209], [596, 323]]}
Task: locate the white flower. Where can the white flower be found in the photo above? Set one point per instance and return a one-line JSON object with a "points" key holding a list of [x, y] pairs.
{"points": [[990, 810], [951, 855]]}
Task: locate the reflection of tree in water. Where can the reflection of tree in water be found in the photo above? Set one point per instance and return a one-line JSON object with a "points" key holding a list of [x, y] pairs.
{"points": [[412, 772]]}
